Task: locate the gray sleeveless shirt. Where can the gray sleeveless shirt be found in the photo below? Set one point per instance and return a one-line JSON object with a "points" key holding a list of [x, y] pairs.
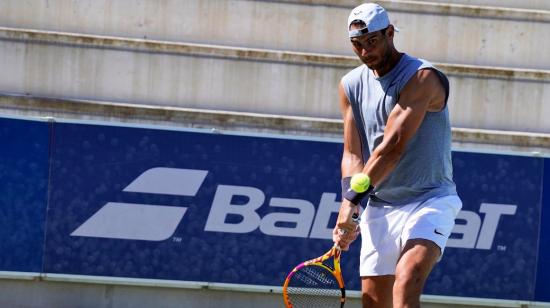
{"points": [[425, 169]]}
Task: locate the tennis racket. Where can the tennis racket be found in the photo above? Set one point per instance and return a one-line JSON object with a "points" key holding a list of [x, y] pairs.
{"points": [[315, 283]]}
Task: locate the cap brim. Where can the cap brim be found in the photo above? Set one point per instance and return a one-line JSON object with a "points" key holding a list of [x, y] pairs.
{"points": [[358, 32]]}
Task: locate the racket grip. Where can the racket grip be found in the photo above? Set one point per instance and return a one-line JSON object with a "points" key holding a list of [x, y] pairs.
{"points": [[356, 218]]}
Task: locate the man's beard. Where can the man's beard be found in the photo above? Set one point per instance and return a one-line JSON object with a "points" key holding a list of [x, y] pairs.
{"points": [[384, 61]]}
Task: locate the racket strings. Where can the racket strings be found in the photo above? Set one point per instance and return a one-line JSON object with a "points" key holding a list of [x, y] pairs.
{"points": [[314, 286]]}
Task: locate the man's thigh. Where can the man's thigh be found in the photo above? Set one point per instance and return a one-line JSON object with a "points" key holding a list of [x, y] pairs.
{"points": [[377, 291], [415, 264]]}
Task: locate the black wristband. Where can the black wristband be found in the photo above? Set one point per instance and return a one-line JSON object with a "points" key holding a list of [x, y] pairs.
{"points": [[345, 184], [351, 195]]}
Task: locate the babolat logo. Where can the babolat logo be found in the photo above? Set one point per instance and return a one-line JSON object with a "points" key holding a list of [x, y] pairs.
{"points": [[132, 221]]}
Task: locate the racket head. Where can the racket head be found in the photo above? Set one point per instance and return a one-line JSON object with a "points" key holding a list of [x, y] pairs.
{"points": [[315, 283]]}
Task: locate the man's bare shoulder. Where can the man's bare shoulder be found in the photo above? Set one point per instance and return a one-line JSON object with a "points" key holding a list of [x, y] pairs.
{"points": [[426, 84], [354, 75]]}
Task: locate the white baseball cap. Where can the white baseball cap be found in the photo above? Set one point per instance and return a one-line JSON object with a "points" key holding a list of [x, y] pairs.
{"points": [[373, 15]]}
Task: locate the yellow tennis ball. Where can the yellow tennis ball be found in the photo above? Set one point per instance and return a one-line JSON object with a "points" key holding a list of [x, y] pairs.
{"points": [[360, 182]]}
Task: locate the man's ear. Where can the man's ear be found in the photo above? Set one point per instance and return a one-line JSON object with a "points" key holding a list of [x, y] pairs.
{"points": [[390, 31]]}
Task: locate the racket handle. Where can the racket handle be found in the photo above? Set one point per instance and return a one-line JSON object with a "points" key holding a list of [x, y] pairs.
{"points": [[356, 218]]}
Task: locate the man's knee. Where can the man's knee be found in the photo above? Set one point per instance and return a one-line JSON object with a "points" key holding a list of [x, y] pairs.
{"points": [[368, 300], [377, 291], [413, 268], [411, 274], [409, 282]]}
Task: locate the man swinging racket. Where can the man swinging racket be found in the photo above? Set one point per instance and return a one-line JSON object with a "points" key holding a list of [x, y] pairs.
{"points": [[397, 157]]}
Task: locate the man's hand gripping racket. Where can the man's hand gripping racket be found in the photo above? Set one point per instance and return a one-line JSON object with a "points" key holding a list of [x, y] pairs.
{"points": [[347, 225], [317, 283]]}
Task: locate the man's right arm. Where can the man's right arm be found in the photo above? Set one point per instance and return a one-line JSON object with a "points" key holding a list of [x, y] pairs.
{"points": [[352, 163], [352, 158]]}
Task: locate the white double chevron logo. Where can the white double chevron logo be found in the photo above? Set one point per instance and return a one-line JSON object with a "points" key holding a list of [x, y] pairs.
{"points": [[149, 222]]}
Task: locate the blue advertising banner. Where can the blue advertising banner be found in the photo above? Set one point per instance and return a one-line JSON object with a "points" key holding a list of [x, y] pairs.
{"points": [[148, 203], [195, 206], [23, 193]]}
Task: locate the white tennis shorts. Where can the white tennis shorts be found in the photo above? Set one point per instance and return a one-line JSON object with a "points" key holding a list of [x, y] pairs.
{"points": [[385, 231]]}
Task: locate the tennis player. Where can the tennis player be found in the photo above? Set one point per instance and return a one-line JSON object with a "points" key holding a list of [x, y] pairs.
{"points": [[397, 132]]}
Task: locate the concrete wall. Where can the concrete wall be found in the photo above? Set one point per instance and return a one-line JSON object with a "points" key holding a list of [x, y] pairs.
{"points": [[269, 82], [438, 32], [274, 80], [60, 294]]}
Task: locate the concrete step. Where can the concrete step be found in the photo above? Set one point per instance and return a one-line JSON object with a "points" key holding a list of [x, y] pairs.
{"points": [[440, 32], [521, 4], [248, 123], [235, 79]]}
